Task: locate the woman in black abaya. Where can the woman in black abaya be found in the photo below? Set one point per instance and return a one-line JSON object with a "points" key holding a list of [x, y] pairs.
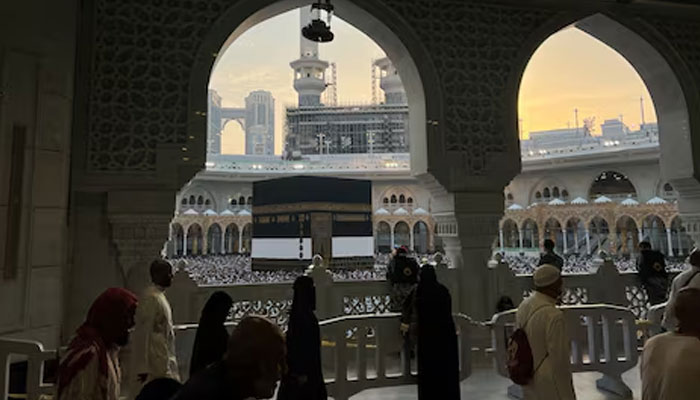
{"points": [[438, 356], [304, 379], [212, 337]]}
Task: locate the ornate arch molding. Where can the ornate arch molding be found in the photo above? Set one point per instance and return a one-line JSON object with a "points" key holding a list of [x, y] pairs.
{"points": [[380, 22]]}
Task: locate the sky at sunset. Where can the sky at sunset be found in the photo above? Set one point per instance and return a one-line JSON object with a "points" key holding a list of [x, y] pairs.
{"points": [[570, 70]]}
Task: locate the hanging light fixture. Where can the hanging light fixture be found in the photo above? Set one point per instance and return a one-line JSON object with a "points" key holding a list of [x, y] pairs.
{"points": [[318, 30]]}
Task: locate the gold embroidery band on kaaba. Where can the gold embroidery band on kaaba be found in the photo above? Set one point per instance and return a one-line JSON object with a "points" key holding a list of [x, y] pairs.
{"points": [[311, 207]]}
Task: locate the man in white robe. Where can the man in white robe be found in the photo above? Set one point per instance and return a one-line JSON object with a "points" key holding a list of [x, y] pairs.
{"points": [[688, 278], [153, 350], [670, 365], [545, 328]]}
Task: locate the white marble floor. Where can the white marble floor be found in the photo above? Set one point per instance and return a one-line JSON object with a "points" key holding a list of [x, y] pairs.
{"points": [[485, 384]]}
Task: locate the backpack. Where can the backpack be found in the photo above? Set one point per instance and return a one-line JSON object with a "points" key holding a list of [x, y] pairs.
{"points": [[520, 361]]}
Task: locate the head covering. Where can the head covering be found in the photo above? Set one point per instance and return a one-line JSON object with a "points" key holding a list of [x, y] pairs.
{"points": [[256, 347], [428, 275], [546, 275], [159, 389], [304, 295], [109, 319], [212, 337]]}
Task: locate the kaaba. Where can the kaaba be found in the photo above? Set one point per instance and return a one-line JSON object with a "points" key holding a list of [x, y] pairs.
{"points": [[297, 217]]}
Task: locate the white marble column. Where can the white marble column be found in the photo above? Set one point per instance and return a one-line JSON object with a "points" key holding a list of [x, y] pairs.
{"points": [[223, 249], [500, 240], [641, 234], [412, 239], [670, 242], [576, 240], [184, 242], [563, 235], [392, 238], [520, 239], [240, 241], [588, 242]]}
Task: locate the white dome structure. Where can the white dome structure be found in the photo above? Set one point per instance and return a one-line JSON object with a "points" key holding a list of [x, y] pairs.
{"points": [[227, 212], [210, 212], [190, 212], [400, 211], [557, 202], [419, 211], [514, 207], [244, 213], [382, 211], [630, 202], [656, 200], [602, 199], [579, 200]]}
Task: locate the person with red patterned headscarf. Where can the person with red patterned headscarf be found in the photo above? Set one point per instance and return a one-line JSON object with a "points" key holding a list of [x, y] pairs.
{"points": [[90, 368]]}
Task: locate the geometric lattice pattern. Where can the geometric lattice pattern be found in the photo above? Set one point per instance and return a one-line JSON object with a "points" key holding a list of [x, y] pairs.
{"points": [[376, 304], [574, 296], [638, 301], [276, 310]]}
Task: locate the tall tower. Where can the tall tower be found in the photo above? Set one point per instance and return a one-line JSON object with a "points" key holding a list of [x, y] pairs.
{"points": [[260, 123], [390, 82], [309, 70], [214, 126]]}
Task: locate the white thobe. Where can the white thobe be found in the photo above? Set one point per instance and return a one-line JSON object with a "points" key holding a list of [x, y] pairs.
{"points": [[153, 345], [551, 349], [670, 368], [683, 280]]}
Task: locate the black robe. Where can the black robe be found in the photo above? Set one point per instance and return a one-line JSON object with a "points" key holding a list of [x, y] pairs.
{"points": [[212, 337], [303, 348], [438, 354]]}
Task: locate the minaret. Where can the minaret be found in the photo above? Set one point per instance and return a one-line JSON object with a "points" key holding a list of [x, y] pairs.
{"points": [[309, 70], [390, 82]]}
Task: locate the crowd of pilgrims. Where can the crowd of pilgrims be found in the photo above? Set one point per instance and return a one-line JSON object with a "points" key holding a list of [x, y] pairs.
{"points": [[249, 362], [236, 269], [581, 263], [255, 357]]}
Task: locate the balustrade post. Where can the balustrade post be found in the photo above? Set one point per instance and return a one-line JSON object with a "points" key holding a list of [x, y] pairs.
{"points": [[500, 240], [184, 242], [223, 249], [328, 303], [504, 282]]}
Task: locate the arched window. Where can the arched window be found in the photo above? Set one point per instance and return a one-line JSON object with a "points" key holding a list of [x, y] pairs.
{"points": [[200, 200], [538, 196], [184, 201], [192, 200], [393, 199], [545, 193], [613, 185], [386, 200], [402, 199], [668, 187], [555, 192], [250, 200], [234, 202], [409, 200], [565, 194], [207, 202], [241, 200]]}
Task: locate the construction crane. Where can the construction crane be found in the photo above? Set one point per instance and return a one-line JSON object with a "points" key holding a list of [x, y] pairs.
{"points": [[374, 81], [331, 93]]}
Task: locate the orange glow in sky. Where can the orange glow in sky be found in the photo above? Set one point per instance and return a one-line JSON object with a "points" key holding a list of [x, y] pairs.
{"points": [[569, 70]]}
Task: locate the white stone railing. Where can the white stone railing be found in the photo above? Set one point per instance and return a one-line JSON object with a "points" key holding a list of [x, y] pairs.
{"points": [[14, 350], [603, 339], [273, 300], [605, 286], [359, 352]]}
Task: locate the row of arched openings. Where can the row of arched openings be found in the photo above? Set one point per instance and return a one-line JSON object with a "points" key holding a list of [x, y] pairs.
{"points": [[193, 200], [621, 239], [401, 199], [227, 241], [241, 201], [416, 238]]}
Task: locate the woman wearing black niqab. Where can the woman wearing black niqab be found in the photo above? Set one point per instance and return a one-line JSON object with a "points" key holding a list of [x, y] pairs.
{"points": [[304, 379], [212, 337], [438, 356]]}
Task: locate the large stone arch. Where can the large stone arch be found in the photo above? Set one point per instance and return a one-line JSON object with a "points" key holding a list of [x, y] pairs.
{"points": [[668, 78], [375, 19]]}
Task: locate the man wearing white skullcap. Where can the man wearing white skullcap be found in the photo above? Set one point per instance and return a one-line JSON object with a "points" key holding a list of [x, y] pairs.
{"points": [[544, 326]]}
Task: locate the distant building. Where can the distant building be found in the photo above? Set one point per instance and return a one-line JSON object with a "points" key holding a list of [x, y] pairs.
{"points": [[260, 123], [214, 127]]}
